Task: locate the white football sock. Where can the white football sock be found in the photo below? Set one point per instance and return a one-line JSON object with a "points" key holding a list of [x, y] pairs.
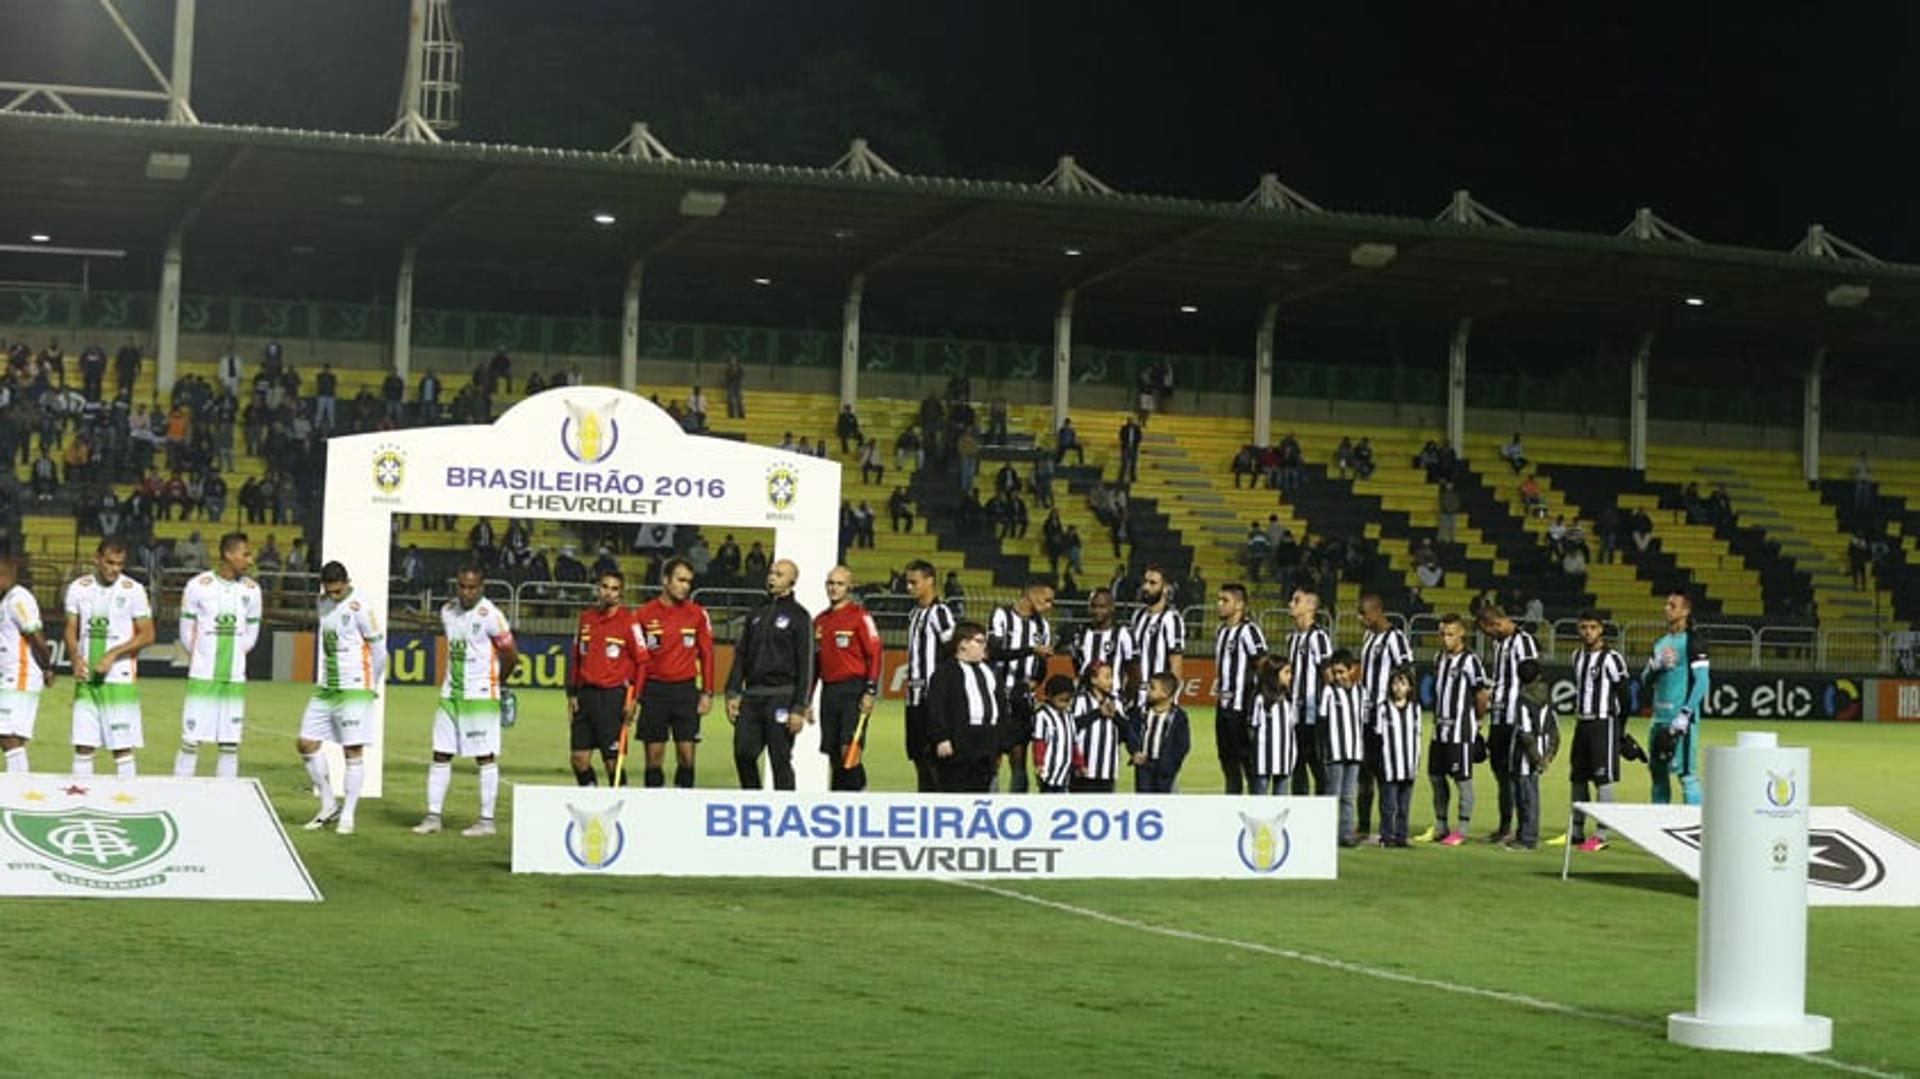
{"points": [[188, 760], [227, 764], [126, 767], [439, 776], [489, 789], [83, 764], [356, 779], [316, 763], [17, 761]]}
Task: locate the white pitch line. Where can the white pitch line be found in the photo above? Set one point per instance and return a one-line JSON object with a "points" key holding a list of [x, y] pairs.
{"points": [[1348, 967]]}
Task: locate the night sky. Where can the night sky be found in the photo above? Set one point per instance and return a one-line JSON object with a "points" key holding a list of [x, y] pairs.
{"points": [[1741, 123]]}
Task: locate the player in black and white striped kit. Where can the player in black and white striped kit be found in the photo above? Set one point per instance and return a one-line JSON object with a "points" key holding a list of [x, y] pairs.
{"points": [[1342, 719], [1460, 697], [1513, 646], [1159, 634], [1308, 647], [1102, 640], [1384, 651], [1237, 645], [1019, 642], [1600, 702], [1054, 737], [929, 628], [1399, 755], [1100, 720], [1276, 748]]}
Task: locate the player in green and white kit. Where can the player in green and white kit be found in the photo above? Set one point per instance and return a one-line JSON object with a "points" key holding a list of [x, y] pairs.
{"points": [[109, 620], [480, 658], [26, 664], [350, 666], [219, 624], [1679, 678]]}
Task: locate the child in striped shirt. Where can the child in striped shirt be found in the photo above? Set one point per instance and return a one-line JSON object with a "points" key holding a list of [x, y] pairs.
{"points": [[1160, 738], [1054, 748], [1276, 748], [1399, 756], [1100, 726]]}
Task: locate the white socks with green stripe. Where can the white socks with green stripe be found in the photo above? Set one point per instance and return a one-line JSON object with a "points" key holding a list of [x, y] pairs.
{"points": [[187, 761], [356, 779], [17, 761], [317, 771], [227, 764], [489, 789]]}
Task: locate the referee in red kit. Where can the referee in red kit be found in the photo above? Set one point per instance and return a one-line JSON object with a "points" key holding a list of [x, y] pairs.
{"points": [[847, 662], [679, 688], [609, 661]]}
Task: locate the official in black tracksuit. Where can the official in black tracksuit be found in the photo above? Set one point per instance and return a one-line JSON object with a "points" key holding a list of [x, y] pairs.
{"points": [[769, 687], [964, 710]]}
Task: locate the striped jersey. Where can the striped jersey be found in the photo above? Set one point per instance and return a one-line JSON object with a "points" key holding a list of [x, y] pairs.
{"points": [[1112, 646], [352, 649], [1275, 749], [1054, 743], [1158, 636], [1507, 657], [981, 694], [1457, 678], [1010, 631], [1153, 731], [1344, 714], [1400, 741], [1235, 648], [219, 624], [1535, 721], [19, 619], [1098, 736], [106, 614], [928, 628], [473, 662], [1599, 680], [1307, 649], [1381, 654]]}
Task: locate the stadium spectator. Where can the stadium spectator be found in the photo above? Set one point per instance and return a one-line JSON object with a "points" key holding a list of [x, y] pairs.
{"points": [[900, 510], [1343, 456], [1363, 463], [907, 448], [1862, 481], [1449, 512], [1006, 481], [126, 365], [1043, 481], [735, 381], [44, 477], [1514, 453], [1259, 550], [997, 421], [427, 402], [93, 371], [1292, 466], [754, 566], [1148, 389], [1640, 528], [1429, 571], [500, 372], [1530, 496], [568, 569], [1131, 435], [1720, 506], [872, 468], [1534, 612], [1574, 562], [1244, 464], [1859, 553], [1557, 534], [1071, 549], [393, 392], [1066, 439], [846, 427]]}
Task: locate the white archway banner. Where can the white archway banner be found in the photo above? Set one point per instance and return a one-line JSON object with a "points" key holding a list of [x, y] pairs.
{"points": [[580, 453]]}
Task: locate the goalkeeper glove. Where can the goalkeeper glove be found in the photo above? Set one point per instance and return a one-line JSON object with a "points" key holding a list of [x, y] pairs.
{"points": [[1680, 724], [509, 709]]}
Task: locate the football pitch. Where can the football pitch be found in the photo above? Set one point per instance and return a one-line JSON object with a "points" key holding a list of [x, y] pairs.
{"points": [[430, 957]]}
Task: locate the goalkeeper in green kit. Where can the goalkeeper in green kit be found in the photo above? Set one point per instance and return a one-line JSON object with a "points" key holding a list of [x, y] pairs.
{"points": [[1678, 676]]}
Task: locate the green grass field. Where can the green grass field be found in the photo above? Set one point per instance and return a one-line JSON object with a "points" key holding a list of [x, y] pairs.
{"points": [[429, 957]]}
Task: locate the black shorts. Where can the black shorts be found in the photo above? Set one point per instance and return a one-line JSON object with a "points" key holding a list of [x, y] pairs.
{"points": [[1016, 726], [1500, 749], [1449, 759], [840, 714], [670, 708], [1595, 754], [1232, 738], [596, 724]]}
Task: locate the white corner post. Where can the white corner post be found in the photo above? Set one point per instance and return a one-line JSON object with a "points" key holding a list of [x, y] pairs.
{"points": [[1263, 376], [403, 314], [1457, 387], [166, 316], [180, 84], [630, 327], [1637, 405], [850, 341], [1810, 418], [1062, 358], [1751, 974]]}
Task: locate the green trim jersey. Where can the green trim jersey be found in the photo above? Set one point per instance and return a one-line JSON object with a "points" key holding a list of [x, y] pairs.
{"points": [[19, 619], [106, 614], [473, 662], [351, 652], [219, 625]]}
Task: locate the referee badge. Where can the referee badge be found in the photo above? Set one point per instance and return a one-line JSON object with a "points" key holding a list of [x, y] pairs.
{"points": [[842, 638], [781, 621], [613, 648]]}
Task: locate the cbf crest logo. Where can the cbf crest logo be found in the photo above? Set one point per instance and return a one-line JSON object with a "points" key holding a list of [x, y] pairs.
{"points": [[590, 435], [783, 486], [1781, 788], [1265, 843], [389, 469], [103, 845], [595, 840]]}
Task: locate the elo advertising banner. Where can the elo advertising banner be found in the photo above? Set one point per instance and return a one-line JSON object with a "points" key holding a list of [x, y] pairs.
{"points": [[628, 832], [105, 837]]}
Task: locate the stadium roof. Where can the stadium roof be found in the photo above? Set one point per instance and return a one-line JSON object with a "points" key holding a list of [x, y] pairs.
{"points": [[485, 214]]}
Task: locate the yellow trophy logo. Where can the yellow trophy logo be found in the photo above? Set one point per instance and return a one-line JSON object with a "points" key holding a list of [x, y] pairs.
{"points": [[1265, 842], [595, 840], [589, 435]]}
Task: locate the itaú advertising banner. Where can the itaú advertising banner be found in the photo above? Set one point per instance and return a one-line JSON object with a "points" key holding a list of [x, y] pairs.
{"points": [[628, 832], [111, 838]]}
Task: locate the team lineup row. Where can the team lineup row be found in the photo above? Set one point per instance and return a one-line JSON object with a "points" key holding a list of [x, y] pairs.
{"points": [[1306, 719]]}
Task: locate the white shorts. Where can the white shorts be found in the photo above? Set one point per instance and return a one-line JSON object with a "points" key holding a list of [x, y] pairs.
{"points": [[344, 716], [213, 712], [107, 714], [18, 709], [467, 728]]}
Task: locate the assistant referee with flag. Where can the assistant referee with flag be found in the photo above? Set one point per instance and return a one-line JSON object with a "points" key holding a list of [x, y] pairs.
{"points": [[848, 665], [605, 674]]}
